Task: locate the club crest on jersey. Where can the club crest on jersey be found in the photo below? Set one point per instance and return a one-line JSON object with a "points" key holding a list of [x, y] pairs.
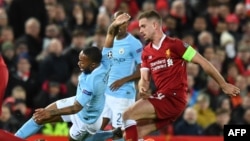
{"points": [[86, 92], [168, 52], [121, 51]]}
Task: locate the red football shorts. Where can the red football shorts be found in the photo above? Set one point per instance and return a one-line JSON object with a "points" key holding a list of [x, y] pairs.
{"points": [[4, 75], [168, 107]]}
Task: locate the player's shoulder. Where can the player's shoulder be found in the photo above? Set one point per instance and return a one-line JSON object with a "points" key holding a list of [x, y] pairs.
{"points": [[147, 46], [172, 39], [133, 38], [99, 72]]}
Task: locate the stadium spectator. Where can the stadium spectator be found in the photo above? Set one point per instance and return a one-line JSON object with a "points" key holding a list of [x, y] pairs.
{"points": [[71, 53], [216, 128], [8, 121], [188, 125], [47, 68], [205, 115], [23, 76]]}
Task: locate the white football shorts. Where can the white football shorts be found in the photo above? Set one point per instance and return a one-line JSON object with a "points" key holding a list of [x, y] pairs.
{"points": [[114, 108]]}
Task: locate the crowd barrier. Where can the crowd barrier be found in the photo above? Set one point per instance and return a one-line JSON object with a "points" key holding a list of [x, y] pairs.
{"points": [[149, 138]]}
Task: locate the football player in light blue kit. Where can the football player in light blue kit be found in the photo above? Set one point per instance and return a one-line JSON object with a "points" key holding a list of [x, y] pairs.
{"points": [[84, 109], [125, 69]]}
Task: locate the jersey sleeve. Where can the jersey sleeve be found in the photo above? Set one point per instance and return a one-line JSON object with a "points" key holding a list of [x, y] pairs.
{"points": [[184, 50], [136, 51], [144, 58], [85, 91]]}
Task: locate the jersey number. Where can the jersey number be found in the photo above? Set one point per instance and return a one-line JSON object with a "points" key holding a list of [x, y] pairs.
{"points": [[119, 118]]}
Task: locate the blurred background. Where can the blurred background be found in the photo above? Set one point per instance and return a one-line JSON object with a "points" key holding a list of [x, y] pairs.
{"points": [[40, 41]]}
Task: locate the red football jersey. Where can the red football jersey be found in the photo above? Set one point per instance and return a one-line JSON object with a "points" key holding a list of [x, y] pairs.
{"points": [[166, 65]]}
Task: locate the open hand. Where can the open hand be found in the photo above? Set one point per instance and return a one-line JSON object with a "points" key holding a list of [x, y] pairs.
{"points": [[144, 93], [116, 85], [121, 19], [231, 90]]}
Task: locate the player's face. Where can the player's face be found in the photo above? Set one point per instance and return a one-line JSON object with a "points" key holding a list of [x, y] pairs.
{"points": [[123, 29], [146, 29], [84, 63]]}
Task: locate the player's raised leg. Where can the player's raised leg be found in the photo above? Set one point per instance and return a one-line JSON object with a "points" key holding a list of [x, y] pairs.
{"points": [[140, 110]]}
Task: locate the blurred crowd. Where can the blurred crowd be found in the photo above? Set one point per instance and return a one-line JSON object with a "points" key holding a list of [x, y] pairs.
{"points": [[40, 42]]}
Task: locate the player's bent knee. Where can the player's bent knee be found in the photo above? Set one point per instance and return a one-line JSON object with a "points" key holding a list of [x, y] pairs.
{"points": [[128, 114]]}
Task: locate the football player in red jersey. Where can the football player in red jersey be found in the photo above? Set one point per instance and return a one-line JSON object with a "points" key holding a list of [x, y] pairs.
{"points": [[164, 60], [4, 75]]}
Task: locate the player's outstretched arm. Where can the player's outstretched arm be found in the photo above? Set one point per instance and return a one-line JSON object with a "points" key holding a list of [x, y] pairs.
{"points": [[227, 88], [43, 114]]}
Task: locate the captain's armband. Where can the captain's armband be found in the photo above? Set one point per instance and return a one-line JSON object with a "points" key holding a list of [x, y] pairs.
{"points": [[189, 54]]}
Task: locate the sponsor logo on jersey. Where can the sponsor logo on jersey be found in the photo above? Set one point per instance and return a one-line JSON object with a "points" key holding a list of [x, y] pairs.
{"points": [[119, 60]]}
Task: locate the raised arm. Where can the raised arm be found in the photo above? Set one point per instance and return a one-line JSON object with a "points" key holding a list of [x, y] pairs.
{"points": [[114, 28]]}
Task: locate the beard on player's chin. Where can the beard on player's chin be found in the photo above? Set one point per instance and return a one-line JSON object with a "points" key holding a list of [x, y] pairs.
{"points": [[87, 71], [147, 40]]}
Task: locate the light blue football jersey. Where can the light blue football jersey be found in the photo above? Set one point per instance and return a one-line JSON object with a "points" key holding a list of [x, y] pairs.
{"points": [[90, 93], [126, 55]]}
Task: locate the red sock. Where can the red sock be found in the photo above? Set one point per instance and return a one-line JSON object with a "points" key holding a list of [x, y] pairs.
{"points": [[131, 133]]}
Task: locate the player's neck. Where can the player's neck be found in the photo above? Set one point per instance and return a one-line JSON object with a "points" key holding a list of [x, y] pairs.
{"points": [[96, 66], [119, 37], [157, 38]]}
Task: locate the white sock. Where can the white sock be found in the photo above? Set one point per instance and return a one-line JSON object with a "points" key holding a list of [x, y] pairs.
{"points": [[129, 123]]}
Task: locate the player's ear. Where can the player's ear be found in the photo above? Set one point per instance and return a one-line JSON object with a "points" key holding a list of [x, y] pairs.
{"points": [[154, 24], [93, 65]]}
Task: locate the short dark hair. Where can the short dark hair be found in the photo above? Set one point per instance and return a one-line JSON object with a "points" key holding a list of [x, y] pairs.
{"points": [[152, 14], [93, 53]]}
